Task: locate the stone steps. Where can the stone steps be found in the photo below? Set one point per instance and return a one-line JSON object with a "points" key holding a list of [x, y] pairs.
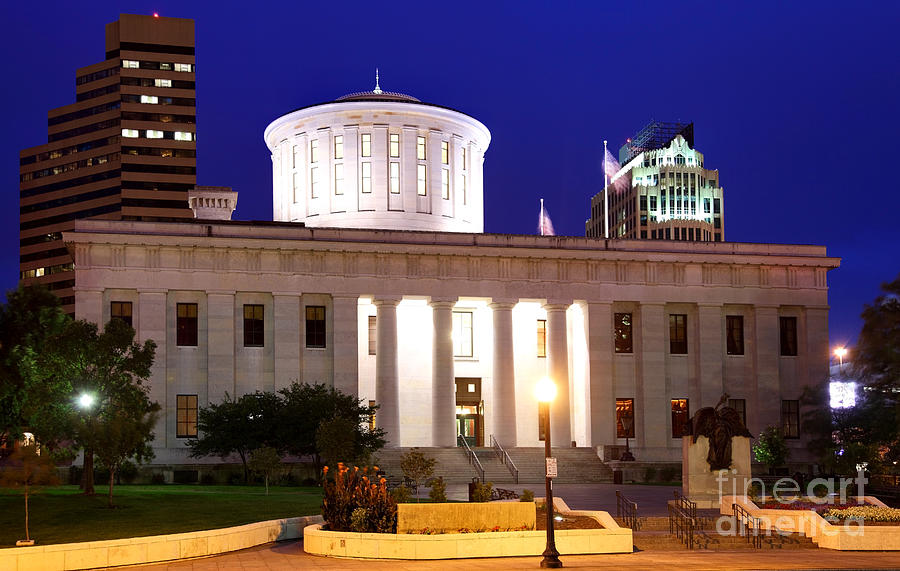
{"points": [[654, 535]]}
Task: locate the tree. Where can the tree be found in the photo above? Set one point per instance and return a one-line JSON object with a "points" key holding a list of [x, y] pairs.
{"points": [[336, 441], [265, 461], [25, 468], [417, 467], [237, 427], [110, 368], [770, 449]]}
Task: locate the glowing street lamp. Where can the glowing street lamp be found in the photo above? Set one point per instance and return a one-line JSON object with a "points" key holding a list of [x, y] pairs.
{"points": [[86, 401], [545, 392], [839, 353]]}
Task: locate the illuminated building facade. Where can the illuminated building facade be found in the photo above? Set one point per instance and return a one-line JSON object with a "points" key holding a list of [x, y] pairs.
{"points": [[124, 150], [662, 190]]}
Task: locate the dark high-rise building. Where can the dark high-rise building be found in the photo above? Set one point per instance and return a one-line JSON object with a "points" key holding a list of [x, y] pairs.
{"points": [[125, 150]]}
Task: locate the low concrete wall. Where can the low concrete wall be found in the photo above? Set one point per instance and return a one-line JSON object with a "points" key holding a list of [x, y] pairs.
{"points": [[413, 518], [851, 537], [611, 539], [151, 549]]}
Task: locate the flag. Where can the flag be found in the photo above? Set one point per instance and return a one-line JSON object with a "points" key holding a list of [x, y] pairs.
{"points": [[545, 226], [610, 165]]}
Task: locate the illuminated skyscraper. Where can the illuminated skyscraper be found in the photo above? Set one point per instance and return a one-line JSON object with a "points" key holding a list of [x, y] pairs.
{"points": [[125, 150], [662, 190]]}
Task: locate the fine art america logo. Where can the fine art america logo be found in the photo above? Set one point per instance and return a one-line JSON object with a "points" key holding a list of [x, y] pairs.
{"points": [[829, 506]]}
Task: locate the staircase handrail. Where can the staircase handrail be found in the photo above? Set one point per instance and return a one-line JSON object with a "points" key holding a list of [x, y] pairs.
{"points": [[748, 526], [681, 523], [627, 512], [504, 457], [473, 458]]}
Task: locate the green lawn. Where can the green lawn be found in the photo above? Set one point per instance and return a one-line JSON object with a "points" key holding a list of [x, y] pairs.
{"points": [[62, 515]]}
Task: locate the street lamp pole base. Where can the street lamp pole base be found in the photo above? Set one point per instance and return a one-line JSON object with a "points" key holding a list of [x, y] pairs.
{"points": [[551, 561]]}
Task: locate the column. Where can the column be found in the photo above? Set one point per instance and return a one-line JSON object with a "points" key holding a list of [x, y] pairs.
{"points": [[504, 375], [598, 321], [387, 395], [650, 393], [558, 368], [151, 308], [220, 345], [817, 351], [767, 408], [346, 350], [710, 356], [443, 384], [286, 340]]}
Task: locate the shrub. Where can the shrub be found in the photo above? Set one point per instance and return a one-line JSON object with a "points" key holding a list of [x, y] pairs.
{"points": [[820, 490], [235, 479], [417, 467], [128, 472], [158, 478], [438, 493], [669, 474], [527, 496], [482, 492], [207, 479], [770, 449], [401, 495], [649, 474], [350, 491]]}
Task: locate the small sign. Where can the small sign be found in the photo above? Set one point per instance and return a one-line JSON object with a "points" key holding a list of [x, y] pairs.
{"points": [[551, 468]]}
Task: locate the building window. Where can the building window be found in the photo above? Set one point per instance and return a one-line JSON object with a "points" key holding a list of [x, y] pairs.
{"points": [[395, 178], [680, 416], [740, 407], [372, 416], [314, 151], [624, 340], [339, 179], [294, 152], [154, 134], [186, 416], [624, 418], [254, 326], [183, 136], [463, 158], [130, 63], [151, 99], [315, 326], [445, 153], [373, 320], [462, 334], [445, 184], [367, 178], [314, 182], [120, 310], [186, 325], [420, 148], [734, 331], [788, 327], [394, 145], [790, 418], [542, 421], [365, 145], [541, 337], [184, 67], [678, 334], [162, 83], [420, 180], [339, 146], [296, 185]]}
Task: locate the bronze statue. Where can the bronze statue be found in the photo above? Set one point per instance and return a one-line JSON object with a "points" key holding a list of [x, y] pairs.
{"points": [[719, 424]]}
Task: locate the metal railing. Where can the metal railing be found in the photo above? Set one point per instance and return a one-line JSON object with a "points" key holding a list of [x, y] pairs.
{"points": [[681, 523], [747, 525], [503, 455], [473, 458], [627, 512]]}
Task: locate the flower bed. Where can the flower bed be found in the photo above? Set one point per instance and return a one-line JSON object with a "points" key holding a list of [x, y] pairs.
{"points": [[818, 507], [868, 514]]}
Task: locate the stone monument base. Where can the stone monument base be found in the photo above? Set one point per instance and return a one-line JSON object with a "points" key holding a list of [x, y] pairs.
{"points": [[706, 487]]}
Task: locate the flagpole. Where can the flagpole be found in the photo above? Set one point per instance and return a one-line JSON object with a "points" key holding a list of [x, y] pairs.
{"points": [[541, 223], [605, 193]]}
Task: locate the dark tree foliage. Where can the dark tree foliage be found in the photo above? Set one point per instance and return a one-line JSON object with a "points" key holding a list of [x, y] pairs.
{"points": [[876, 358]]}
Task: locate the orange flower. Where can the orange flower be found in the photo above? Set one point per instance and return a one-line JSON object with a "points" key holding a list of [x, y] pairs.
{"points": [[325, 469]]}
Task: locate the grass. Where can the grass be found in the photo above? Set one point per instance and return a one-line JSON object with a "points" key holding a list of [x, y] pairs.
{"points": [[63, 515]]}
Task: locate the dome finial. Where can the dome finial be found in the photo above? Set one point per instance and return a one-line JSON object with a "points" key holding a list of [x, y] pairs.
{"points": [[377, 87]]}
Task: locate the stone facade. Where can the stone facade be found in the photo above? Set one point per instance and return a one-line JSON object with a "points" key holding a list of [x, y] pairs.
{"points": [[422, 288]]}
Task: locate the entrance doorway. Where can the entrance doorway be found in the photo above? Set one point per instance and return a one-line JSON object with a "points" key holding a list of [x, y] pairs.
{"points": [[469, 411]]}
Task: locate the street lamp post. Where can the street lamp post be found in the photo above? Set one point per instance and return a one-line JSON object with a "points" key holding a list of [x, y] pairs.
{"points": [[839, 353], [545, 392]]}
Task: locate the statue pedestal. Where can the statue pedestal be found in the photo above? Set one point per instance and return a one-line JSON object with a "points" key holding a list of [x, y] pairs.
{"points": [[706, 487]]}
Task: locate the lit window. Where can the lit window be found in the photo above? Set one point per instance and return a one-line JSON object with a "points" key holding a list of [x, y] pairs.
{"points": [[420, 179], [395, 145], [186, 410], [120, 310], [130, 133], [373, 320], [445, 184], [680, 415], [184, 67], [150, 99], [314, 151], [254, 326], [462, 334], [541, 337], [130, 63], [314, 182], [315, 326], [162, 83], [463, 158], [420, 148], [624, 418], [445, 153], [624, 341], [154, 134], [184, 136], [367, 178], [339, 179], [395, 178], [339, 146], [366, 145], [186, 325]]}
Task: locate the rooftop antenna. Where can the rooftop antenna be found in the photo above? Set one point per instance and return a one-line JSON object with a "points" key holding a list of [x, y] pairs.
{"points": [[377, 87]]}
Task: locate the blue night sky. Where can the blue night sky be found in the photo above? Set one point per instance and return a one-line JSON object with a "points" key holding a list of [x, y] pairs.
{"points": [[795, 103]]}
